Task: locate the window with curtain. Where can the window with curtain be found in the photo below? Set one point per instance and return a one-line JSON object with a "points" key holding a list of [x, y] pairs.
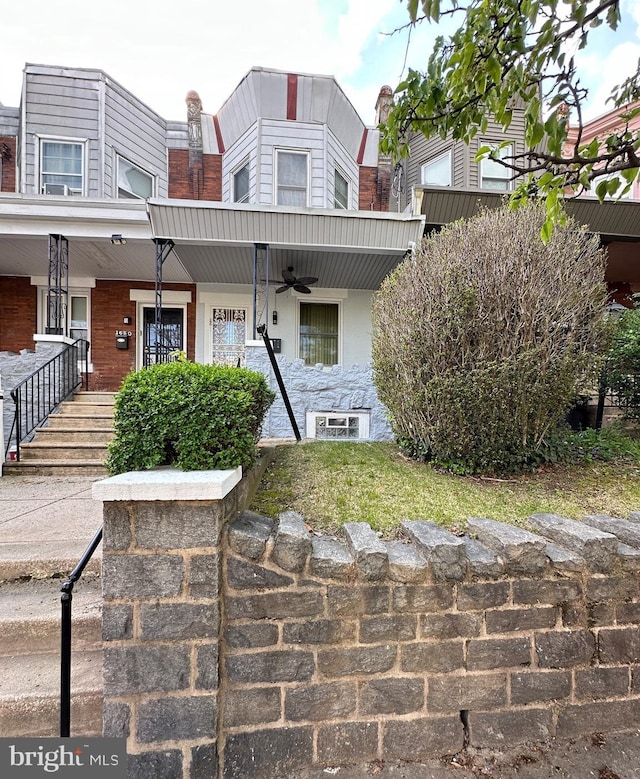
{"points": [[493, 175], [319, 333], [61, 165], [292, 178]]}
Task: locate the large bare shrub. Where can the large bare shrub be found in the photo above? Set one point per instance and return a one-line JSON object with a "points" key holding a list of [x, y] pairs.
{"points": [[484, 337]]}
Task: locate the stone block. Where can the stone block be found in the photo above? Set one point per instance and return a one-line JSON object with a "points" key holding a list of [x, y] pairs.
{"points": [[321, 631], [139, 669], [116, 719], [625, 531], [251, 636], [367, 550], [600, 614], [512, 620], [521, 551], [566, 649], [169, 621], [604, 588], [619, 645], [177, 524], [482, 595], [204, 761], [584, 718], [574, 614], [207, 665], [391, 696], [432, 657], [254, 706], [564, 559], [451, 625], [331, 560], [320, 702], [507, 728], [248, 534], [277, 666], [422, 598], [634, 516], [629, 557], [204, 576], [356, 660], [277, 752], [117, 622], [536, 686], [376, 599], [483, 563], [628, 613], [405, 563], [166, 763], [117, 534], [275, 605], [137, 576], [490, 653], [292, 544], [400, 627], [344, 601], [472, 692], [244, 575], [445, 553], [597, 548], [423, 738], [601, 682], [348, 742], [551, 591], [177, 718]]}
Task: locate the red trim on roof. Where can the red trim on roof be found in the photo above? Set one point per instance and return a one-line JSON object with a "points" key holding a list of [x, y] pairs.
{"points": [[363, 146], [292, 96], [216, 126]]}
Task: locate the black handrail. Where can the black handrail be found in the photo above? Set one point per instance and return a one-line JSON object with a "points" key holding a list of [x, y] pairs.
{"points": [[262, 330], [37, 395], [65, 635]]}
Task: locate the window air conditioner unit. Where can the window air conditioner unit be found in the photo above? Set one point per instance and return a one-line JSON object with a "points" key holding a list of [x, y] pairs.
{"points": [[56, 189]]}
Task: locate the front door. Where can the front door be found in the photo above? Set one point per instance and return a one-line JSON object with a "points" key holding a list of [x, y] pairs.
{"points": [[228, 336], [163, 343]]}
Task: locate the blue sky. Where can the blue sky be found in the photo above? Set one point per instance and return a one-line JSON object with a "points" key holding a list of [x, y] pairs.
{"points": [[159, 49]]}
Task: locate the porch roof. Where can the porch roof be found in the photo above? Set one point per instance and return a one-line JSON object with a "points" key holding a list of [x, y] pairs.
{"points": [[614, 220]]}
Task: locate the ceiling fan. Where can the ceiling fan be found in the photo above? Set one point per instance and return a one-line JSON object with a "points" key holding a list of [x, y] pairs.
{"points": [[290, 281]]}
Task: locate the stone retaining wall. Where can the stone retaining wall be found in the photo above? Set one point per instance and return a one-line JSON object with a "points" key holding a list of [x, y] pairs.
{"points": [[238, 646]]}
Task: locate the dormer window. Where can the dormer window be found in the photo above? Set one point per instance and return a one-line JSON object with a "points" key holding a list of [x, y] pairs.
{"points": [[133, 182], [437, 171], [493, 175], [61, 168], [340, 190], [292, 172], [240, 181]]}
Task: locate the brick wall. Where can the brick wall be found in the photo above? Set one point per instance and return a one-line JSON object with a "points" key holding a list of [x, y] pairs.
{"points": [[374, 187], [335, 651], [8, 155], [17, 313], [110, 303], [194, 176]]}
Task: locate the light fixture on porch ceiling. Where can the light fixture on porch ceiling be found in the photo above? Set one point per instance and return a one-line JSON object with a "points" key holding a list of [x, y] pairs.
{"points": [[118, 240]]}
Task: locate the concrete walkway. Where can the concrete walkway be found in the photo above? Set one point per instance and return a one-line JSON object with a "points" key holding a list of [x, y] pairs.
{"points": [[46, 523]]}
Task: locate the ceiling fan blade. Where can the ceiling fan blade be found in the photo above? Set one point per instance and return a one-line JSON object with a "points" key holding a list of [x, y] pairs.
{"points": [[302, 288], [307, 280], [288, 276], [283, 288]]}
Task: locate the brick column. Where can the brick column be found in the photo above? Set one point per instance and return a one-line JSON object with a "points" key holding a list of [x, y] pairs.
{"points": [[161, 618]]}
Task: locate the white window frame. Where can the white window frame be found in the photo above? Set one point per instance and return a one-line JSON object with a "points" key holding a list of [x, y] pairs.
{"points": [[81, 142], [336, 204], [505, 151], [232, 184], [120, 158], [305, 299], [276, 180], [336, 420], [434, 161]]}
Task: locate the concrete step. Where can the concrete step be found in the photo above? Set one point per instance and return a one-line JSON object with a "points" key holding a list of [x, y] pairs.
{"points": [[87, 467], [102, 420], [89, 409], [30, 615], [39, 450], [59, 434], [94, 397], [30, 694]]}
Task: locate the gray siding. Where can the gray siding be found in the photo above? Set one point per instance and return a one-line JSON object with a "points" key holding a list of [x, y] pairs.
{"points": [[341, 158], [245, 148]]}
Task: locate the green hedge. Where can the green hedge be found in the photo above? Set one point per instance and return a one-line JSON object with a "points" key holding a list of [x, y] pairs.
{"points": [[197, 417]]}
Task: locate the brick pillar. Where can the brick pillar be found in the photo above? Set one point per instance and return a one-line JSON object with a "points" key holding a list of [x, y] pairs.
{"points": [[161, 619]]}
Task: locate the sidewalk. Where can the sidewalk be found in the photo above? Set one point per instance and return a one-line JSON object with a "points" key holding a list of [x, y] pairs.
{"points": [[46, 523]]}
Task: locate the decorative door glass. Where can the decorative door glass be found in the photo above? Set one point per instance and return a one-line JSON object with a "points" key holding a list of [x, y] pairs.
{"points": [[228, 336]]}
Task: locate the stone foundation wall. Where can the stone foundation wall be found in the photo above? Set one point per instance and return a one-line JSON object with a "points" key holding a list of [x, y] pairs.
{"points": [[240, 646]]}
